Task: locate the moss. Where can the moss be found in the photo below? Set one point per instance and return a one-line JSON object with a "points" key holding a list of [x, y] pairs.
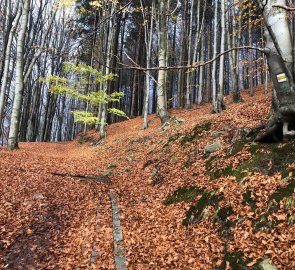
{"points": [[248, 200], [254, 148], [281, 156], [224, 213], [184, 194], [237, 261], [188, 164], [196, 212], [225, 225], [196, 133], [267, 159], [239, 173], [172, 139], [284, 192], [111, 166], [236, 148], [274, 205]]}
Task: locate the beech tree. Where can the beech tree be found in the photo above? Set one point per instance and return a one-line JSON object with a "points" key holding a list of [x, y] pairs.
{"points": [[166, 54], [279, 50], [19, 81], [162, 41]]}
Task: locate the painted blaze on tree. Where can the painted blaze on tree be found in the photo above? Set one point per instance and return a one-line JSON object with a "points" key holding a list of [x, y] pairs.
{"points": [[280, 54]]}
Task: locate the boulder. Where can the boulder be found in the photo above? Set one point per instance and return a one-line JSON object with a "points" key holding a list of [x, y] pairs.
{"points": [[218, 134], [211, 148], [266, 265]]}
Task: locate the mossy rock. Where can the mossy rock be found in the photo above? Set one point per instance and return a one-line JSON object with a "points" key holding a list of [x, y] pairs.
{"points": [[263, 221], [237, 261], [183, 194], [196, 212], [172, 139], [266, 265], [267, 159], [196, 133], [239, 173]]}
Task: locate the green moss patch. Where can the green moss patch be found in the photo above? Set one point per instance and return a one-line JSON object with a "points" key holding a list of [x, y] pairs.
{"points": [[237, 261], [267, 159], [196, 212], [248, 200], [263, 222], [196, 133], [172, 139], [184, 194]]}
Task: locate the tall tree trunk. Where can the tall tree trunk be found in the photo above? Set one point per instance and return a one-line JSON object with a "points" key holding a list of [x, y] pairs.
{"points": [[7, 62], [162, 39], [148, 43], [279, 52], [19, 79], [188, 96], [233, 56]]}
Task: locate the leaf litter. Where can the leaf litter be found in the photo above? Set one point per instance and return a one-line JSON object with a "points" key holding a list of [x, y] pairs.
{"points": [[50, 220]]}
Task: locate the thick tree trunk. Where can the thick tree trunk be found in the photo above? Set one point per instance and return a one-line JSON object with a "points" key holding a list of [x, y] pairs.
{"points": [[279, 52]]}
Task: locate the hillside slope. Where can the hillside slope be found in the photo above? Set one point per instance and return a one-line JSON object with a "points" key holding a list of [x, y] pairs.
{"points": [[181, 206]]}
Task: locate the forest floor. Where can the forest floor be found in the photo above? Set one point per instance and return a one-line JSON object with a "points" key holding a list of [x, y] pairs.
{"points": [[181, 208]]}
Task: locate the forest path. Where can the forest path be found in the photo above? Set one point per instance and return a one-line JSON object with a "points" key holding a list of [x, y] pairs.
{"points": [[50, 221]]}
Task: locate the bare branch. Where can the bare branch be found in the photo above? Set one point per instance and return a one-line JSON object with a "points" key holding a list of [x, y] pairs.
{"points": [[284, 7], [195, 65]]}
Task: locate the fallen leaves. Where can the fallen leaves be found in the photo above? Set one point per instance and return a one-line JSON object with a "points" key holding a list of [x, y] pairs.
{"points": [[64, 220]]}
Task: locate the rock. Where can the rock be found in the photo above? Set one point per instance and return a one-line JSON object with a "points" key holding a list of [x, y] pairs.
{"points": [[266, 265], [218, 134], [39, 197], [211, 148], [240, 135]]}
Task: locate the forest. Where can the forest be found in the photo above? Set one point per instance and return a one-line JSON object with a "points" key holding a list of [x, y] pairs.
{"points": [[147, 134]]}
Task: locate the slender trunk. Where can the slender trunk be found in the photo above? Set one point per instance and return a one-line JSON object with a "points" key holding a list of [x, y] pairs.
{"points": [[148, 44], [214, 68], [250, 53], [19, 80], [188, 103], [162, 39], [7, 62], [219, 103]]}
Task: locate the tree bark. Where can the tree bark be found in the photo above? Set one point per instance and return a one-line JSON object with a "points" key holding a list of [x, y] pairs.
{"points": [[162, 40], [19, 80], [279, 52]]}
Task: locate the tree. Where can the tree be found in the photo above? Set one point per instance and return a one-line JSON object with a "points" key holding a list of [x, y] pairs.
{"points": [[280, 57], [162, 41], [19, 81], [80, 76]]}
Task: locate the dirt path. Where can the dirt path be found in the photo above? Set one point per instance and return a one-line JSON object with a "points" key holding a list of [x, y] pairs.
{"points": [[48, 221]]}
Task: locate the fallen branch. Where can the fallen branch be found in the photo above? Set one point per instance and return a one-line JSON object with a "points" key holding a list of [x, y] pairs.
{"points": [[98, 178]]}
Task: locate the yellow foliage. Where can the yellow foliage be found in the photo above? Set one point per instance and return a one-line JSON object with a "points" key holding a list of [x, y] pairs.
{"points": [[67, 3]]}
